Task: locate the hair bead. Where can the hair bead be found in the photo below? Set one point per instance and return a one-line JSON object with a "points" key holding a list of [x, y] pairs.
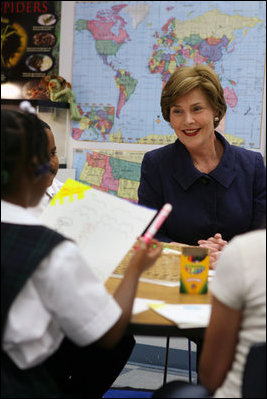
{"points": [[26, 106]]}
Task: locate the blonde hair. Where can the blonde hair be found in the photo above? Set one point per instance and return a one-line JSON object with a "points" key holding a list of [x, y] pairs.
{"points": [[187, 78]]}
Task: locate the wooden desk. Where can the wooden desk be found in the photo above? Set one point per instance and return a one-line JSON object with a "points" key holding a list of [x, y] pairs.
{"points": [[150, 323], [153, 324]]}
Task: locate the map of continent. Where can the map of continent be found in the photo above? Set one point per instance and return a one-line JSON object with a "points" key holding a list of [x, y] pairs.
{"points": [[96, 120], [125, 52], [112, 171]]}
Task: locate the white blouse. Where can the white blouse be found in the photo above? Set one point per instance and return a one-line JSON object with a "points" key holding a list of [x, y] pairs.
{"points": [[240, 283], [62, 298]]}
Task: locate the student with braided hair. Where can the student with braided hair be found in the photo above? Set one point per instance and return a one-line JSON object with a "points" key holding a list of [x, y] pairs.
{"points": [[54, 185], [60, 328]]}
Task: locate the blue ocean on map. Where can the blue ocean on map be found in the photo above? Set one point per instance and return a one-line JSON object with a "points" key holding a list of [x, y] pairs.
{"points": [[124, 53]]}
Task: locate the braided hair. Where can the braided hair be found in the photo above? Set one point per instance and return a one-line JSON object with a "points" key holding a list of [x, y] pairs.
{"points": [[23, 138]]}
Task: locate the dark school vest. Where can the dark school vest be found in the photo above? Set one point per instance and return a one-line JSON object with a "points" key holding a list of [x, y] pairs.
{"points": [[72, 371], [22, 248]]}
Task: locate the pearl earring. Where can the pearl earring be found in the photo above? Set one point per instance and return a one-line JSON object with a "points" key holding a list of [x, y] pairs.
{"points": [[216, 119]]}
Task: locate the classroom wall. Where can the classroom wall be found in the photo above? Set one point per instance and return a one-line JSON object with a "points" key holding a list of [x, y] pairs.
{"points": [[65, 70]]}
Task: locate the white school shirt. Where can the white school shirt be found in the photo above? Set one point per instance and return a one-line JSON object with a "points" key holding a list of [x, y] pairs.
{"points": [[240, 283], [62, 298], [51, 191]]}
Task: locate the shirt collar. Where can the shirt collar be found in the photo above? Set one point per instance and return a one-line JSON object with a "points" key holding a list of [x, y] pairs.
{"points": [[186, 174], [54, 188], [50, 192], [15, 214]]}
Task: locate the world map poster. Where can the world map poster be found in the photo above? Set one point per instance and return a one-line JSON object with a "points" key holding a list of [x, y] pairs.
{"points": [[125, 52]]}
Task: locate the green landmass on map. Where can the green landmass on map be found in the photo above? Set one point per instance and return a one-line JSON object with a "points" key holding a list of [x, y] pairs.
{"points": [[141, 45]]}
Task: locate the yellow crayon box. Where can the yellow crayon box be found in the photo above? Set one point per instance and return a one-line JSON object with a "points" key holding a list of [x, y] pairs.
{"points": [[194, 270]]}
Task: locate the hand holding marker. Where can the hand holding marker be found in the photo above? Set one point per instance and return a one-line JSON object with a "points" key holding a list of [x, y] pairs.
{"points": [[157, 222]]}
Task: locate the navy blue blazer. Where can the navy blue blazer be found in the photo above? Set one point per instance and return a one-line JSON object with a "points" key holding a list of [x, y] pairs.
{"points": [[229, 200]]}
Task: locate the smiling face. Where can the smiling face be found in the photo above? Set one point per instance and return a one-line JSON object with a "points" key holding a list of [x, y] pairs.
{"points": [[192, 119]]}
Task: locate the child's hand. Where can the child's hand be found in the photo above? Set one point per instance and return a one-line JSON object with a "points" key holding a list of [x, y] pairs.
{"points": [[145, 254]]}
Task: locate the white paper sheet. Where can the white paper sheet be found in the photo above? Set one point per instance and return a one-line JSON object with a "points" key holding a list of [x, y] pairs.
{"points": [[185, 316], [142, 304], [104, 227]]}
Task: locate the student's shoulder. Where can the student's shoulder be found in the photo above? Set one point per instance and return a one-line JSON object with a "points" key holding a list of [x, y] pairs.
{"points": [[250, 239], [46, 233]]}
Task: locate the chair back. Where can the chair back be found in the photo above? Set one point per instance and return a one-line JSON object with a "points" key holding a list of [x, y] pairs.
{"points": [[254, 377]]}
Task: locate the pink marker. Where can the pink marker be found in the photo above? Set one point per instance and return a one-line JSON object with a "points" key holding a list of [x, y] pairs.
{"points": [[157, 222]]}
